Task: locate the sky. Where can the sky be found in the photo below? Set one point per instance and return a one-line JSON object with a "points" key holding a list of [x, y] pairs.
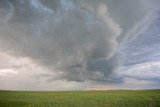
{"points": [[79, 44]]}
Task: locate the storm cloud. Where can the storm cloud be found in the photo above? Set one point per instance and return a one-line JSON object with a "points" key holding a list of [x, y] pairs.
{"points": [[75, 40]]}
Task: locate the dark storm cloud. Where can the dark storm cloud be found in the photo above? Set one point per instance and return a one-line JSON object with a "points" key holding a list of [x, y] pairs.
{"points": [[77, 40]]}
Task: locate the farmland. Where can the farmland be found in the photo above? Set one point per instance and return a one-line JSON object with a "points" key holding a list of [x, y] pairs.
{"points": [[110, 98]]}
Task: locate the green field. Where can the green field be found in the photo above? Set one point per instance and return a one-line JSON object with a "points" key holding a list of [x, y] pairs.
{"points": [[145, 98]]}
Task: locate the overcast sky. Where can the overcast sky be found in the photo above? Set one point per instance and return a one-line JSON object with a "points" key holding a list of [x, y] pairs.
{"points": [[79, 44]]}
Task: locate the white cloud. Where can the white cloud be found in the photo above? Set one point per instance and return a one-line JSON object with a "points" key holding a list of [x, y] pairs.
{"points": [[148, 71]]}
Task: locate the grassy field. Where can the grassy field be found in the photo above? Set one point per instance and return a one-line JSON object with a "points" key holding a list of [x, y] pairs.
{"points": [[146, 98]]}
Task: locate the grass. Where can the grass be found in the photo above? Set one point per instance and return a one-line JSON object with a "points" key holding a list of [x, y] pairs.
{"points": [[121, 98]]}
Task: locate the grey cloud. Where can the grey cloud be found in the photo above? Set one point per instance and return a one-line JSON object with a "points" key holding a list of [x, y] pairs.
{"points": [[75, 39]]}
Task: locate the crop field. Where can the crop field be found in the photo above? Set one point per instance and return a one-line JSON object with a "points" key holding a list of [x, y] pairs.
{"points": [[121, 98]]}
